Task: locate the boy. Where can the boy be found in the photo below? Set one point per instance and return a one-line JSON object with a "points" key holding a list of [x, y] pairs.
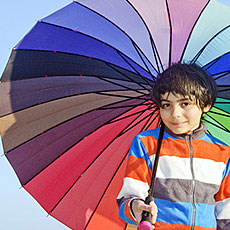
{"points": [[192, 189]]}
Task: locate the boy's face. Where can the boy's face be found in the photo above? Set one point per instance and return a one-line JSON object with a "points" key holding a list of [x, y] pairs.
{"points": [[180, 114]]}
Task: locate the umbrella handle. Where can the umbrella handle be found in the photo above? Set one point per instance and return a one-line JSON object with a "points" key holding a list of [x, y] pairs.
{"points": [[145, 223]]}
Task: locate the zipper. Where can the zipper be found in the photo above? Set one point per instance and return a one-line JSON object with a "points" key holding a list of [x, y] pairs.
{"points": [[188, 137]]}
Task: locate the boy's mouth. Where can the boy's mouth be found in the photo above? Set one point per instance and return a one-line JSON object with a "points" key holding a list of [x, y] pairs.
{"points": [[177, 123]]}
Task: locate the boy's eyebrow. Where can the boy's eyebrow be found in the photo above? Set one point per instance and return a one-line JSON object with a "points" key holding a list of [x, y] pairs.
{"points": [[182, 99]]}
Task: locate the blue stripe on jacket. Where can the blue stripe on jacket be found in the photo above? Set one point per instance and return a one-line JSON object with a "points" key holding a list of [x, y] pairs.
{"points": [[181, 213]]}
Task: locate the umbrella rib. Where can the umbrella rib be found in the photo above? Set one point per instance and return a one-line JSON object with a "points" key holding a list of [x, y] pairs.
{"points": [[123, 106], [220, 86], [203, 48], [185, 47], [115, 120], [141, 111], [108, 122], [214, 62], [135, 68], [128, 98], [134, 45], [152, 120], [170, 40], [132, 80], [151, 39], [223, 90], [126, 87], [131, 107], [223, 74], [114, 174], [156, 54], [221, 114], [208, 65], [122, 96], [222, 102], [149, 115], [223, 128], [118, 135]]}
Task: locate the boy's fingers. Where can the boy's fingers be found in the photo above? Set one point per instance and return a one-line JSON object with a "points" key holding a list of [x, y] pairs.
{"points": [[154, 211], [137, 209], [139, 206], [145, 207]]}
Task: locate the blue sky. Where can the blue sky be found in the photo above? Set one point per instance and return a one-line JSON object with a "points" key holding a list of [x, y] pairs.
{"points": [[18, 210]]}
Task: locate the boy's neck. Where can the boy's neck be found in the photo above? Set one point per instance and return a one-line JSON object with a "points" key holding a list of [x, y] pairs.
{"points": [[194, 134]]}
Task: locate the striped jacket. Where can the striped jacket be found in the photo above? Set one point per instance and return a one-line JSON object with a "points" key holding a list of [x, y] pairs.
{"points": [[192, 189]]}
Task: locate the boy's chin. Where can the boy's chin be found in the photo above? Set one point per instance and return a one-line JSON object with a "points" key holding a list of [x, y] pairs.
{"points": [[181, 131]]}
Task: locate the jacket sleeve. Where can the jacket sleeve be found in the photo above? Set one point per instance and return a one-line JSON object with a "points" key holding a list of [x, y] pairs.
{"points": [[222, 208], [136, 180]]}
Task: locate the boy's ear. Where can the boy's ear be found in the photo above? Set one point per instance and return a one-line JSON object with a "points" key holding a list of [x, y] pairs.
{"points": [[207, 108]]}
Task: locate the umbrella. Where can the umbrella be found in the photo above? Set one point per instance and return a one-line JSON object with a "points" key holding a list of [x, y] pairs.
{"points": [[75, 92]]}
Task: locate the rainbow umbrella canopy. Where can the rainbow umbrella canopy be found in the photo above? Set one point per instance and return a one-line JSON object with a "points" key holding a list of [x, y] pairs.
{"points": [[75, 92]]}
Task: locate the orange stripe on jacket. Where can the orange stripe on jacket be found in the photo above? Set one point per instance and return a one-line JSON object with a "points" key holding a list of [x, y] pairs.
{"points": [[169, 147], [206, 150], [201, 149], [137, 169], [224, 191], [164, 226]]}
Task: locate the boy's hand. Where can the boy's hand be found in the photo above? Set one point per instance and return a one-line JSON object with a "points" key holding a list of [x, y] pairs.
{"points": [[138, 206]]}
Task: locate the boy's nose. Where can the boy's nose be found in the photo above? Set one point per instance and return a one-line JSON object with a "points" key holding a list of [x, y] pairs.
{"points": [[176, 111]]}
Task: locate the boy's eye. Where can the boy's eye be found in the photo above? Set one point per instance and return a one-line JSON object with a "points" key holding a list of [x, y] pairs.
{"points": [[185, 104], [165, 105]]}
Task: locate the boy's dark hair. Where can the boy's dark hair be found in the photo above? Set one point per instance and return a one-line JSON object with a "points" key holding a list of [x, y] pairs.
{"points": [[186, 79]]}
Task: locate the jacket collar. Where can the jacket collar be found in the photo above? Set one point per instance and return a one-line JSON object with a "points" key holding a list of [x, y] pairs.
{"points": [[194, 135]]}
